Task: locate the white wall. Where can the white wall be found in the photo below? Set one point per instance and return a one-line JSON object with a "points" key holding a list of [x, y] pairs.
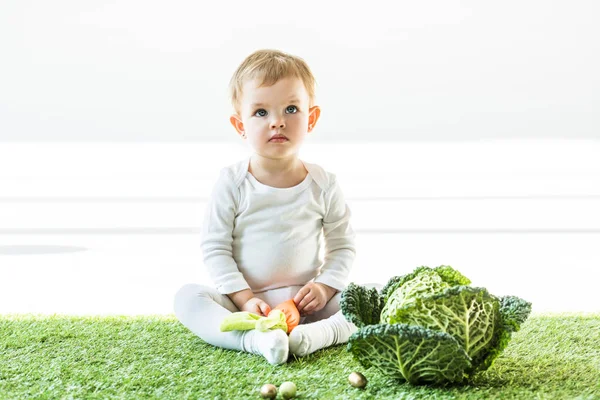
{"points": [[387, 70], [505, 195], [81, 220]]}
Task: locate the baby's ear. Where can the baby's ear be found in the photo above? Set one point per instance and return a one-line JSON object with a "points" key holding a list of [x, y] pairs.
{"points": [[313, 116], [237, 123]]}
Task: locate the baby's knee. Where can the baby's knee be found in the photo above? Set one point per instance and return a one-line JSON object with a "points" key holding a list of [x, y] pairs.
{"points": [[187, 293], [192, 297], [188, 290]]}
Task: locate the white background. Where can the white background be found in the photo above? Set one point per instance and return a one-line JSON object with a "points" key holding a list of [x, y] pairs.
{"points": [[130, 70], [463, 133], [115, 228]]}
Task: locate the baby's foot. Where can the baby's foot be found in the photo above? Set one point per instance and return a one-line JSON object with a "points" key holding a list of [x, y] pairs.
{"points": [[308, 338], [273, 345], [299, 341]]}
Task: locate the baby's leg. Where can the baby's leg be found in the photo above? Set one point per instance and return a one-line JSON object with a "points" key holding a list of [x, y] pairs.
{"points": [[202, 309], [326, 327]]}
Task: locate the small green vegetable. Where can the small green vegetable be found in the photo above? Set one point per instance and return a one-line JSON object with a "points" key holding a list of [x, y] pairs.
{"points": [[287, 390], [243, 320]]}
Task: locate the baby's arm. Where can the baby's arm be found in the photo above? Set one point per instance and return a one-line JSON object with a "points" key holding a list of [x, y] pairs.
{"points": [[339, 255], [217, 242], [244, 300], [312, 297], [339, 241]]}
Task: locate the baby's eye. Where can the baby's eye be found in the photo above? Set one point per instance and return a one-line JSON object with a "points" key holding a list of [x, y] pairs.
{"points": [[294, 109], [263, 112]]}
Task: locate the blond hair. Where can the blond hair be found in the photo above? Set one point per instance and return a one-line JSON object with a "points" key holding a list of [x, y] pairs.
{"points": [[269, 66]]}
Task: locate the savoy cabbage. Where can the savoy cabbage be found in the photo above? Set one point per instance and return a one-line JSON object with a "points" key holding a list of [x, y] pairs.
{"points": [[430, 326]]}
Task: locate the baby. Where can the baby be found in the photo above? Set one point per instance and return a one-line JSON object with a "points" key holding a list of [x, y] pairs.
{"points": [[266, 220]]}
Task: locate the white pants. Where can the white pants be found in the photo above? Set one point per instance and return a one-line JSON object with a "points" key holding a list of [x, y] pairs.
{"points": [[202, 309]]}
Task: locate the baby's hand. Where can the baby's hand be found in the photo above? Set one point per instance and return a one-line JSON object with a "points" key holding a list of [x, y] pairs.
{"points": [[256, 306], [313, 297]]}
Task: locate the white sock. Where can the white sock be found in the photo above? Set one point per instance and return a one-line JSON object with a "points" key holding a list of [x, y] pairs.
{"points": [[273, 345], [308, 338]]}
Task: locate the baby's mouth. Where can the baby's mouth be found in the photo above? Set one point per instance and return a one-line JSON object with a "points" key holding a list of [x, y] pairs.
{"points": [[279, 138]]}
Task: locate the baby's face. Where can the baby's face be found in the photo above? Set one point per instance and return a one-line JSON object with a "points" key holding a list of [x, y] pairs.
{"points": [[282, 108]]}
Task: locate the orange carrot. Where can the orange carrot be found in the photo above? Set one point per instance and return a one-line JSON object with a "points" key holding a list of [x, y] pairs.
{"points": [[292, 315]]}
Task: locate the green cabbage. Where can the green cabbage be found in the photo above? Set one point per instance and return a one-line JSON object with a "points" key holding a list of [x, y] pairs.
{"points": [[430, 326]]}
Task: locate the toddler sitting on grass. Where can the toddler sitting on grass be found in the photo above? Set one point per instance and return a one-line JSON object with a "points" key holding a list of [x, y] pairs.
{"points": [[267, 218]]}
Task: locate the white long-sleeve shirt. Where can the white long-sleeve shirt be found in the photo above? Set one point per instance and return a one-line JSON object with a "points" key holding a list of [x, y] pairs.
{"points": [[261, 237]]}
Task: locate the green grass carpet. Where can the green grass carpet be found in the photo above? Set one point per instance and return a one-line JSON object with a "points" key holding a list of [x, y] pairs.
{"points": [[59, 357]]}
